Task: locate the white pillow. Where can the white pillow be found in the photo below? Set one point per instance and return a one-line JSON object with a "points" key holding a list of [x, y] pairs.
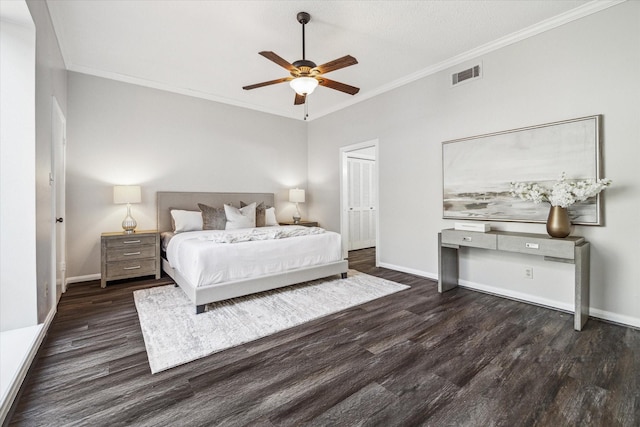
{"points": [[186, 220], [240, 218], [270, 217]]}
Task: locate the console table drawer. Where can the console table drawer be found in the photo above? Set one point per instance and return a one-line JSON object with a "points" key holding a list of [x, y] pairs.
{"points": [[469, 238], [537, 246]]}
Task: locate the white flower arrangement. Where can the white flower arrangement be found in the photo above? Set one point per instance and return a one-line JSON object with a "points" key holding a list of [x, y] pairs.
{"points": [[562, 193]]}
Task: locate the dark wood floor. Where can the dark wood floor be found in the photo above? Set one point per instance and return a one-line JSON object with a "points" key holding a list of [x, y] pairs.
{"points": [[413, 358]]}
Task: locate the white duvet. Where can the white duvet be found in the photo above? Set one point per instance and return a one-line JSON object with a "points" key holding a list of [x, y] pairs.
{"points": [[215, 256]]}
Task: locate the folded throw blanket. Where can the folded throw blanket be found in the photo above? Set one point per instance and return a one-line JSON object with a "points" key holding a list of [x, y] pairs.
{"points": [[263, 234]]}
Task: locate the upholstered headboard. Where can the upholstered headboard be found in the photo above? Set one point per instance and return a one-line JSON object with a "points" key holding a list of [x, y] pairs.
{"points": [[167, 200]]}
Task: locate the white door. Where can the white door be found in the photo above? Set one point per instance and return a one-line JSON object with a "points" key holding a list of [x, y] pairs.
{"points": [[361, 203], [58, 149]]}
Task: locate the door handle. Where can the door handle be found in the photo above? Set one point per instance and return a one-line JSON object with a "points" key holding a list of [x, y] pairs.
{"points": [[59, 219]]}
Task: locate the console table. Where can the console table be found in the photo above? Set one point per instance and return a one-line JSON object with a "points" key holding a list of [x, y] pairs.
{"points": [[572, 250]]}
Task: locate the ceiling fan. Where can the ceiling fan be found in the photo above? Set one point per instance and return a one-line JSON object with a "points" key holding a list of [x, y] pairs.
{"points": [[305, 74]]}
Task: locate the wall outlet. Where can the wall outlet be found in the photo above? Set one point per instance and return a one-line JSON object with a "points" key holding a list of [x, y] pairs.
{"points": [[528, 272]]}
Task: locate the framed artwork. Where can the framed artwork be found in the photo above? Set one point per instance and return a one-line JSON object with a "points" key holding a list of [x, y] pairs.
{"points": [[478, 170]]}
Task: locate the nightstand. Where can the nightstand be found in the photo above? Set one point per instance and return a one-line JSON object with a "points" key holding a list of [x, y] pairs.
{"points": [[302, 223], [125, 256]]}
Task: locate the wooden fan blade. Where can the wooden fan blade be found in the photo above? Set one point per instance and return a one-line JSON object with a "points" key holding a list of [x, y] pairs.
{"points": [[351, 90], [300, 99], [336, 64], [271, 82], [278, 60]]}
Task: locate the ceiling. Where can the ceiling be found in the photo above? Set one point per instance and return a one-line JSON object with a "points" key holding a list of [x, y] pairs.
{"points": [[209, 49]]}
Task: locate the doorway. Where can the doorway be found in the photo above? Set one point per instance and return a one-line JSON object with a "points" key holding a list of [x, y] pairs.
{"points": [[359, 196]]}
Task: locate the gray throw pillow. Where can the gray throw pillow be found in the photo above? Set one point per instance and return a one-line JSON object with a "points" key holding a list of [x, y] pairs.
{"points": [[213, 218]]}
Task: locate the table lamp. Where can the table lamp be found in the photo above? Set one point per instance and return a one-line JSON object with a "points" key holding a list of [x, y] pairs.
{"points": [[296, 196]]}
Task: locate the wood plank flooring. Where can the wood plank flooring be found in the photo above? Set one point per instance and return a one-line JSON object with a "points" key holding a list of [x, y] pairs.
{"points": [[413, 358]]}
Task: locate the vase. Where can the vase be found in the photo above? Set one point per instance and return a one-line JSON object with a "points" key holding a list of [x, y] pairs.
{"points": [[558, 222]]}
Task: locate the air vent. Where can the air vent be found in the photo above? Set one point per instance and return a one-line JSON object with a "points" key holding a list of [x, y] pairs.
{"points": [[465, 75]]}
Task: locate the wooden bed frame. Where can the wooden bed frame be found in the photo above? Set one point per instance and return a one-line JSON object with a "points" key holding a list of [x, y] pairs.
{"points": [[202, 295]]}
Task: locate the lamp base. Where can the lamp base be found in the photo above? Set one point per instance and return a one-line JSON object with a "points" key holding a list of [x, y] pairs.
{"points": [[128, 223], [297, 216]]}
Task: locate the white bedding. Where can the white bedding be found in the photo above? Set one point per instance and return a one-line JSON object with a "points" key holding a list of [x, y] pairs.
{"points": [[202, 261]]}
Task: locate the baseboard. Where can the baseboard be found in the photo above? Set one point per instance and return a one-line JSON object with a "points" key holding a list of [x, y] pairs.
{"points": [[14, 389], [517, 296], [596, 313], [621, 319], [87, 278], [608, 316], [409, 270]]}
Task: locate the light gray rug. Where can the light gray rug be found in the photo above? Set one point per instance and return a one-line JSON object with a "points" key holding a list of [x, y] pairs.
{"points": [[174, 334]]}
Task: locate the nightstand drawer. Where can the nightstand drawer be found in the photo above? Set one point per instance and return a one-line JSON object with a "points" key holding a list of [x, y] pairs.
{"points": [[469, 238], [133, 268], [130, 241], [133, 252]]}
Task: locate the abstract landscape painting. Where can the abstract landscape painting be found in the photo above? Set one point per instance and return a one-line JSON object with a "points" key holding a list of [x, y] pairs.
{"points": [[478, 171]]}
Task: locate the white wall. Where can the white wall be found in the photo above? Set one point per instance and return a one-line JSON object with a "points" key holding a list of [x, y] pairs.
{"points": [[119, 133], [586, 67], [18, 307]]}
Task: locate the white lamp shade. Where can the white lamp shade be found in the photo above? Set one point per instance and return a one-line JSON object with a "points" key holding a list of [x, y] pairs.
{"points": [[126, 194], [296, 196], [304, 85]]}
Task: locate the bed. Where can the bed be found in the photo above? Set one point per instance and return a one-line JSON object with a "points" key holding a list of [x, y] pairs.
{"points": [[201, 289]]}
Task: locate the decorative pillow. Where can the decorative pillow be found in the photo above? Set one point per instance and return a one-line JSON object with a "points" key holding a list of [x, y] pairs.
{"points": [[186, 220], [260, 211], [240, 218], [213, 218], [269, 217]]}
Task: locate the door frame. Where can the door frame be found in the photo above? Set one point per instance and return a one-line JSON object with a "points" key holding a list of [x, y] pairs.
{"points": [[344, 193], [58, 193], [351, 157]]}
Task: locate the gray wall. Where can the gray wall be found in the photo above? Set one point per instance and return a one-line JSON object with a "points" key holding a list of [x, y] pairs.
{"points": [[120, 133], [586, 67]]}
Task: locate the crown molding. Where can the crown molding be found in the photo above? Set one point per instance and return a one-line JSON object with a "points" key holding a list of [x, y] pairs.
{"points": [[541, 27], [175, 89]]}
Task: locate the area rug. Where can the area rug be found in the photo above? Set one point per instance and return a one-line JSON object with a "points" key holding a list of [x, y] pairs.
{"points": [[174, 334]]}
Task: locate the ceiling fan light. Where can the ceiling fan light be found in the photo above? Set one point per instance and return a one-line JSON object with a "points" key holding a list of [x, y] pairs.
{"points": [[304, 85]]}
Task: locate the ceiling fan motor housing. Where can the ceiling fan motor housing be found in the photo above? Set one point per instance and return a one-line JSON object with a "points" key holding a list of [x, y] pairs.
{"points": [[304, 68]]}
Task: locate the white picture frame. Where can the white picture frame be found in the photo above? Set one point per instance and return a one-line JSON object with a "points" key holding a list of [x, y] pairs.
{"points": [[478, 170]]}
